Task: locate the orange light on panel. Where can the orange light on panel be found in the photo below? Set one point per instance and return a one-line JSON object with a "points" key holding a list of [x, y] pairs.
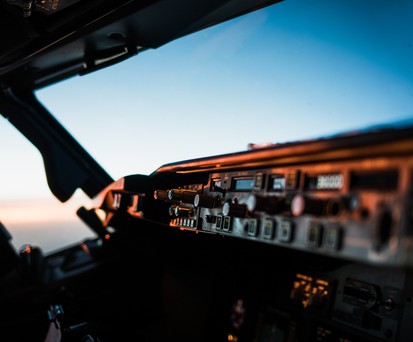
{"points": [[232, 338]]}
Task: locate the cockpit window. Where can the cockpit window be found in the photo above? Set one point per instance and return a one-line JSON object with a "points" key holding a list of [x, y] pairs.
{"points": [[296, 70]]}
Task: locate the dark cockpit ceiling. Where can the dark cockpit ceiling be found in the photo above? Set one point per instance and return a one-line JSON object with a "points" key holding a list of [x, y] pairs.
{"points": [[39, 49]]}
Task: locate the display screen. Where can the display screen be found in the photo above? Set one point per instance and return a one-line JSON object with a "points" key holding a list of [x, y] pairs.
{"points": [[330, 181], [242, 184], [277, 183]]}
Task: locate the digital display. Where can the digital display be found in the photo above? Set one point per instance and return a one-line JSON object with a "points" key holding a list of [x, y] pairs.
{"points": [[331, 181], [242, 184], [277, 183]]}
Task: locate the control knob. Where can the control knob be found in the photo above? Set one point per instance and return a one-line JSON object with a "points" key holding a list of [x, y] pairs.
{"points": [[304, 205], [160, 195], [270, 204], [206, 201], [234, 209], [186, 196]]}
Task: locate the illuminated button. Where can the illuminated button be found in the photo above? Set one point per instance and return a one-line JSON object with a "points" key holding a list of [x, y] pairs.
{"points": [[252, 227], [218, 223], [268, 229], [333, 237], [226, 225], [314, 235], [285, 231]]}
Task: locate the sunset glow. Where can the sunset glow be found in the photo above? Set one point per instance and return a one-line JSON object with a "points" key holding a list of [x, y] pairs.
{"points": [[35, 211], [40, 210]]}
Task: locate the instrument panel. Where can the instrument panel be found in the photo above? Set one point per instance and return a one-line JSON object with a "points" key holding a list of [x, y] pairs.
{"points": [[328, 222], [354, 209], [348, 197]]}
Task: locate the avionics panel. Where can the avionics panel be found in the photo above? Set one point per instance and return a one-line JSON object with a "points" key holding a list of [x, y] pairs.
{"points": [[349, 196], [353, 209], [349, 199]]}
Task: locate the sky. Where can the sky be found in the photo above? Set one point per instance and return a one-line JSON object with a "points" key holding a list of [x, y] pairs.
{"points": [[297, 70], [286, 73]]}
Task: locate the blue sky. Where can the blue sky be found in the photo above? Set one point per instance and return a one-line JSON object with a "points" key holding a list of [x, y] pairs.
{"points": [[294, 71]]}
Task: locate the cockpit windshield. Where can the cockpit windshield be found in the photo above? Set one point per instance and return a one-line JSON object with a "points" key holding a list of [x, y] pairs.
{"points": [[295, 70]]}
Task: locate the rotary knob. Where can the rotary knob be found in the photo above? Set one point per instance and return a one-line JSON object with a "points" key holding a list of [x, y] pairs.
{"points": [[160, 195], [205, 201], [270, 204], [315, 206], [186, 196], [234, 209]]}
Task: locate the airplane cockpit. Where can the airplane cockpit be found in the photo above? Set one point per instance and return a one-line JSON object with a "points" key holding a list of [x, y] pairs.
{"points": [[292, 241]]}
